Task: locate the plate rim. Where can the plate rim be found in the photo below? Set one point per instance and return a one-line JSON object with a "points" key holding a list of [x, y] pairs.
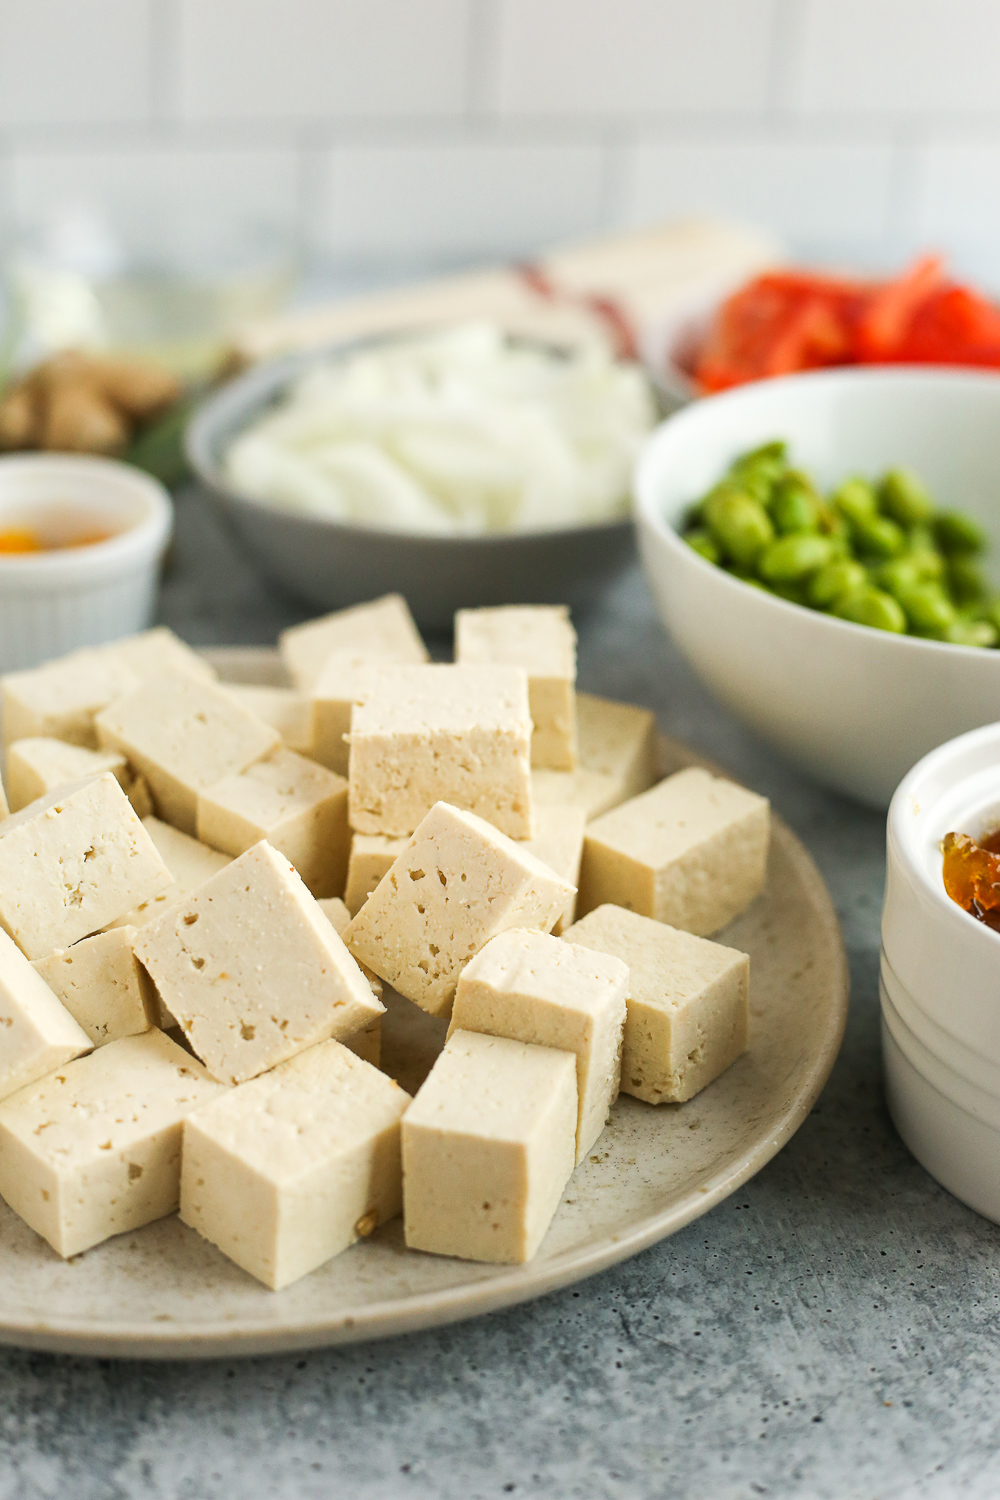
{"points": [[515, 1284]]}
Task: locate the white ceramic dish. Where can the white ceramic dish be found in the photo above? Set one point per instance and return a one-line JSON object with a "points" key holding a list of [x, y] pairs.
{"points": [[940, 981], [166, 1293], [853, 707], [53, 602]]}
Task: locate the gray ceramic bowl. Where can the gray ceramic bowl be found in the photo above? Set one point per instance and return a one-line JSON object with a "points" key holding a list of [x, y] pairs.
{"points": [[330, 564]]}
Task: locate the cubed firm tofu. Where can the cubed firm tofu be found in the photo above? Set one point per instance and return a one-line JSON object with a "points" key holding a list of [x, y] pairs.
{"points": [[619, 740], [94, 1148], [372, 856], [688, 1003], [441, 733], [37, 1032], [38, 766], [534, 988], [366, 1043], [541, 639], [284, 709], [189, 862], [298, 806], [380, 630], [288, 1170], [593, 792], [183, 736], [457, 884], [558, 843], [252, 969], [489, 1144], [691, 852], [102, 985], [71, 863]]}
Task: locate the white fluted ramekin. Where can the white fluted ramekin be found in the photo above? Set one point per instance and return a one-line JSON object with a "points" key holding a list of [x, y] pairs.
{"points": [[55, 601], [940, 979]]}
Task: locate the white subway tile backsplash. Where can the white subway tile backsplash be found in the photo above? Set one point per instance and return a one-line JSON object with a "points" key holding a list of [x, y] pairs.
{"points": [[959, 193], [457, 199], [806, 191], [322, 59], [72, 62], [898, 57], [627, 57], [181, 205]]}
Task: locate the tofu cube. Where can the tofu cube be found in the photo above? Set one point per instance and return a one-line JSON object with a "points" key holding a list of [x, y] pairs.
{"points": [[298, 806], [183, 735], [158, 653], [190, 865], [40, 765], [691, 852], [489, 1144], [94, 1149], [344, 682], [619, 740], [533, 988], [4, 809], [372, 856], [71, 863], [290, 1169], [61, 699], [457, 884], [366, 1043], [37, 1033], [381, 630], [252, 969], [593, 792], [541, 639], [102, 985], [440, 733], [558, 843], [285, 710], [688, 1003]]}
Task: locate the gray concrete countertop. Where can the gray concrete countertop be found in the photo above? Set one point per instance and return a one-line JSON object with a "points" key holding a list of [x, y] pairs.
{"points": [[831, 1331]]}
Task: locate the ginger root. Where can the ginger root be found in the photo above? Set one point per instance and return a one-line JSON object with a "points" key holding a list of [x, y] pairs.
{"points": [[81, 403]]}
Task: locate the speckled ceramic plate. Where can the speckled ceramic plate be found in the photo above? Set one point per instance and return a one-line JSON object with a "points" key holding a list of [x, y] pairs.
{"points": [[164, 1292]]}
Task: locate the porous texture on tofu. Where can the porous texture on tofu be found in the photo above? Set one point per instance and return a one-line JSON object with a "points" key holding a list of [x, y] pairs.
{"points": [[541, 639], [298, 806], [372, 855], [252, 969], [94, 1148], [288, 1170], [366, 1043], [37, 1032], [688, 1004], [189, 862], [533, 988], [183, 735], [457, 884], [442, 733], [71, 863], [692, 852], [489, 1144], [102, 985], [558, 843], [41, 764], [594, 792], [284, 709], [619, 740], [60, 699], [344, 682], [383, 629]]}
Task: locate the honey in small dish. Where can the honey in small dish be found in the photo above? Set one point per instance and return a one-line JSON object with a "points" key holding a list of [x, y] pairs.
{"points": [[20, 540], [972, 874]]}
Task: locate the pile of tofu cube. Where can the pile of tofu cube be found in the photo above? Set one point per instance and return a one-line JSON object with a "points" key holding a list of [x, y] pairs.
{"points": [[204, 889]]}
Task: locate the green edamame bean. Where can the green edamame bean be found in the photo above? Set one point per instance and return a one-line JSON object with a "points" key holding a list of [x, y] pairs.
{"points": [[958, 534], [792, 558], [971, 633], [842, 576], [872, 607], [904, 499], [990, 611], [704, 544], [794, 505], [928, 562], [965, 580], [856, 500], [794, 593], [740, 525], [877, 536], [898, 575], [928, 609]]}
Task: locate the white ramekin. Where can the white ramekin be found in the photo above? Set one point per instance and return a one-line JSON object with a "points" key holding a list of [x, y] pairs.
{"points": [[54, 602], [940, 979]]}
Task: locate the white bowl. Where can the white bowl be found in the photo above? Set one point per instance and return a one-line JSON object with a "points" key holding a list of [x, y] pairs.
{"points": [[854, 707], [940, 980], [52, 602]]}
